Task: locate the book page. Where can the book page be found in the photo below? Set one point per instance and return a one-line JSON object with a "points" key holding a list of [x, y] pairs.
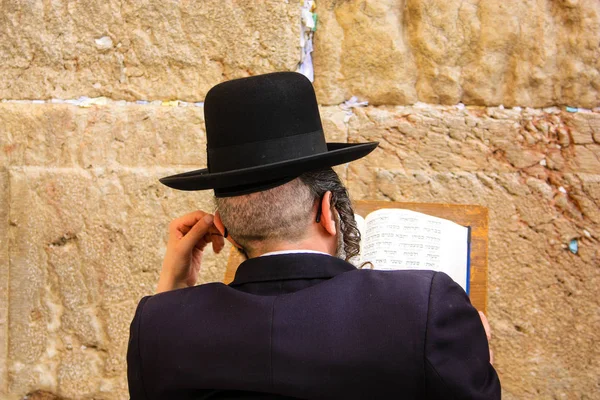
{"points": [[405, 239]]}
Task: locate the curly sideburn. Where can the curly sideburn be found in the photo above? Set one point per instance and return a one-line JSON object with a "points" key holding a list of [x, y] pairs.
{"points": [[323, 180]]}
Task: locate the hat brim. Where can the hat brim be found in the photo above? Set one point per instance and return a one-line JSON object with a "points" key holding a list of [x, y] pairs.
{"points": [[248, 180]]}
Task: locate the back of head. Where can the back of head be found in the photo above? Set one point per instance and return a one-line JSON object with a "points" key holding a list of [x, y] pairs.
{"points": [[259, 219]]}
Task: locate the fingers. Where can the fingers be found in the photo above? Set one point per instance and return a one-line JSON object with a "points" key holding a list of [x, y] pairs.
{"points": [[212, 236], [185, 223], [486, 325], [197, 231], [218, 242], [203, 234]]}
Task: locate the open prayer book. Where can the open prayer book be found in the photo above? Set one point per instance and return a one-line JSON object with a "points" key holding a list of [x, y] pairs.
{"points": [[403, 239]]}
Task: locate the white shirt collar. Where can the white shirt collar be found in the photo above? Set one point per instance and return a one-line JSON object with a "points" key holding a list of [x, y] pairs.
{"points": [[275, 253]]}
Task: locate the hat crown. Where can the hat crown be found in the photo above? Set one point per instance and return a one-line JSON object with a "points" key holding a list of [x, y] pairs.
{"points": [[261, 132], [260, 108]]}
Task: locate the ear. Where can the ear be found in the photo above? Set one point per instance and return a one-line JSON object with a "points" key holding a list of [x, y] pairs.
{"points": [[221, 228], [327, 214]]}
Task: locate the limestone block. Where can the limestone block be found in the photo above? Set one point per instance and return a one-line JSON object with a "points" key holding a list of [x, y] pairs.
{"points": [[361, 49], [587, 158], [118, 319], [116, 135], [79, 371], [584, 189], [142, 50], [4, 279], [535, 54], [62, 135], [335, 124], [451, 139], [542, 298], [584, 128], [85, 246]]}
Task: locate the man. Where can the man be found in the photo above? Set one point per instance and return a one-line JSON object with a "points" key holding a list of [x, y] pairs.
{"points": [[297, 321]]}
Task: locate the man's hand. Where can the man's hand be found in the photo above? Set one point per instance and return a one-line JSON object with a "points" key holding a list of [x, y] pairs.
{"points": [[488, 333], [188, 236]]}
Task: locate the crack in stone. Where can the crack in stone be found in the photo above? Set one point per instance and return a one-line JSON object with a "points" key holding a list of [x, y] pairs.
{"points": [[42, 395], [63, 240]]}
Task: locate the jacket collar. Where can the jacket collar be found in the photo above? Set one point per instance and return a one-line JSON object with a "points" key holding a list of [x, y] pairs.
{"points": [[290, 266]]}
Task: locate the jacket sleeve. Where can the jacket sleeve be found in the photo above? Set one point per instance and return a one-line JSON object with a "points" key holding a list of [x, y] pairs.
{"points": [[134, 360], [457, 360]]}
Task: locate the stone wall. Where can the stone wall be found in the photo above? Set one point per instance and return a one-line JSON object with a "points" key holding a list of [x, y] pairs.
{"points": [[141, 49], [517, 53], [84, 219]]}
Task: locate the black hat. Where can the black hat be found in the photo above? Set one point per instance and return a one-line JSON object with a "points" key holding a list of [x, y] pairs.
{"points": [[263, 131]]}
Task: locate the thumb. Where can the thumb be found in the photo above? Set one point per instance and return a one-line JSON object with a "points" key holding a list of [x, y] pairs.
{"points": [[199, 229]]}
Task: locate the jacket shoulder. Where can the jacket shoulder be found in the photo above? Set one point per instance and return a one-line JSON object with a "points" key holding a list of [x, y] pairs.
{"points": [[413, 281]]}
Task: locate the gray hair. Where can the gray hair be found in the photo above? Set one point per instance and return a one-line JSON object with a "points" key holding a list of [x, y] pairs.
{"points": [[256, 219]]}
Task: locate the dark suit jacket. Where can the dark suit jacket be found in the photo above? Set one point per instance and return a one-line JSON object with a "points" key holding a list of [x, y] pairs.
{"points": [[314, 327]]}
